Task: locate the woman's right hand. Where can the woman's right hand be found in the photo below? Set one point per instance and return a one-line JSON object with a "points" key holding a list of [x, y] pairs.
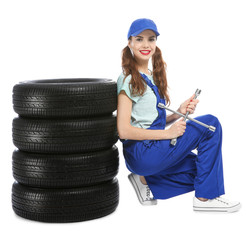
{"points": [[177, 129]]}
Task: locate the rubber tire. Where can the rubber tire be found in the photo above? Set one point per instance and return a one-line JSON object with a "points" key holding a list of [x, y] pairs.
{"points": [[64, 171], [54, 98], [65, 135], [65, 205]]}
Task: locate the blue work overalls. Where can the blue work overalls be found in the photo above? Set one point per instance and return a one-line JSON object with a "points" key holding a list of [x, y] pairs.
{"points": [[174, 170]]}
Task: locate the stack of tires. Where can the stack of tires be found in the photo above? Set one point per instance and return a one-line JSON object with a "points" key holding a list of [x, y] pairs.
{"points": [[66, 163]]}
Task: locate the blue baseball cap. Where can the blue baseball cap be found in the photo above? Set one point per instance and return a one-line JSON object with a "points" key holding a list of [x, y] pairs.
{"points": [[140, 25]]}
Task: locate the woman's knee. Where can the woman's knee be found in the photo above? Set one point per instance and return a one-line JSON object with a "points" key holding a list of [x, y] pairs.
{"points": [[212, 120]]}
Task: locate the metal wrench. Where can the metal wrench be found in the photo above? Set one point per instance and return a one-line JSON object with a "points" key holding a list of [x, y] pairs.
{"points": [[211, 128], [197, 93]]}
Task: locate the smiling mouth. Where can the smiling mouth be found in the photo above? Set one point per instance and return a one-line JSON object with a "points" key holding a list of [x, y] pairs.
{"points": [[145, 52]]}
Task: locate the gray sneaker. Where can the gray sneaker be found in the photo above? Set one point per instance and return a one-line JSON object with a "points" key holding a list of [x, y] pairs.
{"points": [[143, 191]]}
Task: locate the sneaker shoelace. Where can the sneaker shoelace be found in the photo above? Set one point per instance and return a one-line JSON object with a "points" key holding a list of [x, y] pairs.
{"points": [[147, 193], [225, 201]]}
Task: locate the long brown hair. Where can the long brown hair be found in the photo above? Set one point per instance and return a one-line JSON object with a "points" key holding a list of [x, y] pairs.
{"points": [[129, 66]]}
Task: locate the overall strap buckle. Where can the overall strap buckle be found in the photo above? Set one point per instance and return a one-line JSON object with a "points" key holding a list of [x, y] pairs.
{"points": [[161, 105]]}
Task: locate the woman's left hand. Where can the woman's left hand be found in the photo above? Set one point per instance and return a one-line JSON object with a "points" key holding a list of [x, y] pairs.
{"points": [[189, 105]]}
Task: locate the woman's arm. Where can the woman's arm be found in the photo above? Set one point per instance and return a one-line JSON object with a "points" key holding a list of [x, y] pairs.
{"points": [[172, 117], [127, 131]]}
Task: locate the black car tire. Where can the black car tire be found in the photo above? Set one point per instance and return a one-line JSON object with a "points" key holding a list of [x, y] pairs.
{"points": [[65, 170], [65, 205], [65, 135], [75, 97]]}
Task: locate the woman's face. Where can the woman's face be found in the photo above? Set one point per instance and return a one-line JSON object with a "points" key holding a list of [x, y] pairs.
{"points": [[143, 45]]}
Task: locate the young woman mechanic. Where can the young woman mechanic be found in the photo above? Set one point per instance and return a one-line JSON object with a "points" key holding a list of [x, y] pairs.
{"points": [[156, 165]]}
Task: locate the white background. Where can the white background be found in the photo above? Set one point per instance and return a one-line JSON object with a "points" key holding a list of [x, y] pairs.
{"points": [[203, 44]]}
